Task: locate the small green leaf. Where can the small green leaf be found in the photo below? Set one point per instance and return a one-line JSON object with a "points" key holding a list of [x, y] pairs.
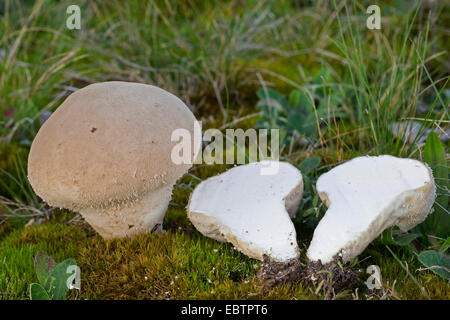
{"points": [[387, 238], [37, 292], [315, 200], [43, 265], [56, 283], [300, 100], [309, 164], [353, 262], [295, 122], [404, 239], [434, 150], [438, 222], [309, 212], [439, 263]]}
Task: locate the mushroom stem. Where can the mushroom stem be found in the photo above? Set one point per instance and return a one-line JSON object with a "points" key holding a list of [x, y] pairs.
{"points": [[130, 219]]}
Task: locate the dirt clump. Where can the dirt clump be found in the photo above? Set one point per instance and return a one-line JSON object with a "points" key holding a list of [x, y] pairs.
{"points": [[332, 277], [273, 273]]}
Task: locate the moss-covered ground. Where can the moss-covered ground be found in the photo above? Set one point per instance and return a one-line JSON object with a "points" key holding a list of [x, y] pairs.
{"points": [[215, 55]]}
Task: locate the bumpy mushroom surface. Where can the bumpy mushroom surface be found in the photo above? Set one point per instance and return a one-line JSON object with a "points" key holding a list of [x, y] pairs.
{"points": [[365, 196], [250, 210], [106, 153]]}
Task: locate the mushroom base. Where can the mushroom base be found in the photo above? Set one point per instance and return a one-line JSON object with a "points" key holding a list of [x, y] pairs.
{"points": [[140, 216], [332, 277], [273, 273]]}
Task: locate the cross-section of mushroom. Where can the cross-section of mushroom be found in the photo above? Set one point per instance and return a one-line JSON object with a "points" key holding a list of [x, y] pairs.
{"points": [[250, 210], [106, 153], [364, 197]]}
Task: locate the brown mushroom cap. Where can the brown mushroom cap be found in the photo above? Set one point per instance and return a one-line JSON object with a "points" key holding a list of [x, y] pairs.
{"points": [[107, 145]]}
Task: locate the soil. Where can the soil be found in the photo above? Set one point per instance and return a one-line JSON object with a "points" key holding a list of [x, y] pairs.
{"points": [[273, 273], [333, 276]]}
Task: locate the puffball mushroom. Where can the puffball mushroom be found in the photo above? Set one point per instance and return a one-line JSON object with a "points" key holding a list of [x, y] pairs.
{"points": [[106, 153], [250, 210], [365, 196]]}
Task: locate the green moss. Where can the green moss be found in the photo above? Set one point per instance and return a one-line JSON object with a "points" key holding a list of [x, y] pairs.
{"points": [[176, 264], [18, 249]]}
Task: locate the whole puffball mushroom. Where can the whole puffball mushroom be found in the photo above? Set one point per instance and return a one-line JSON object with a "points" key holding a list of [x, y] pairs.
{"points": [[365, 196], [106, 153]]}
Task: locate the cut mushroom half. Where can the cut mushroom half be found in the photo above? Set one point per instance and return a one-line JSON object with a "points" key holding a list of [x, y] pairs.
{"points": [[365, 196], [250, 210], [106, 153]]}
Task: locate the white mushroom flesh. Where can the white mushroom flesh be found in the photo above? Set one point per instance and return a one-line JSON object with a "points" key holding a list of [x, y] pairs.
{"points": [[365, 196], [250, 210]]}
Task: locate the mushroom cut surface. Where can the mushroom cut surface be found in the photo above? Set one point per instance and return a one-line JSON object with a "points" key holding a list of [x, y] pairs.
{"points": [[250, 210], [365, 196]]}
